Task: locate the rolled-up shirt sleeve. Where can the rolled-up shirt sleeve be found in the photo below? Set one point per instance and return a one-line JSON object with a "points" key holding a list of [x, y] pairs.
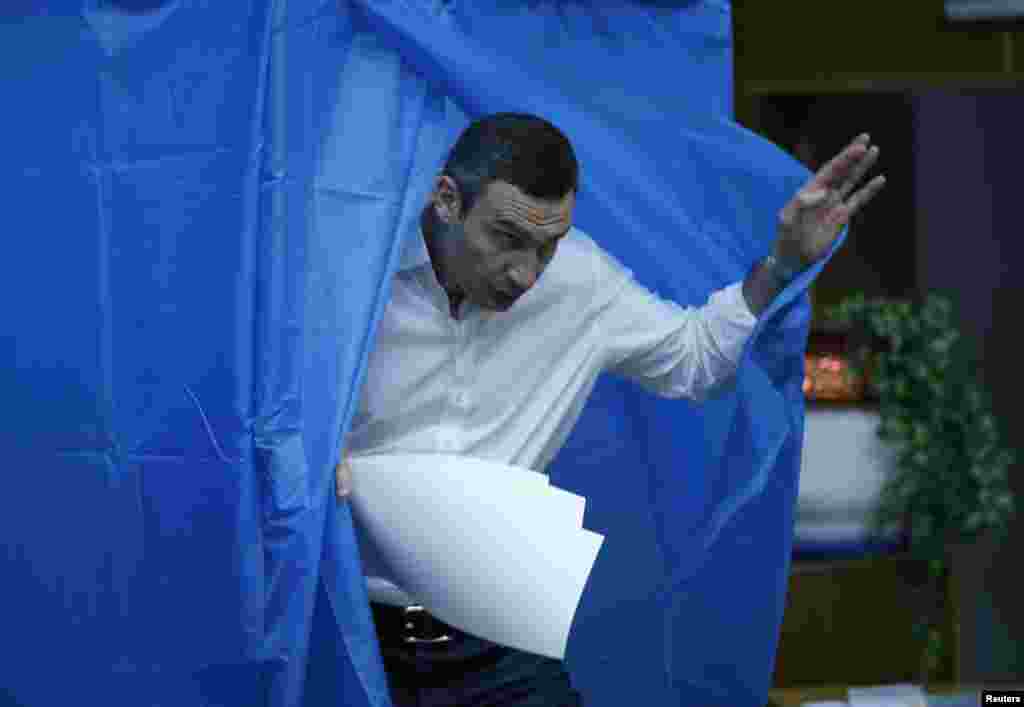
{"points": [[670, 350]]}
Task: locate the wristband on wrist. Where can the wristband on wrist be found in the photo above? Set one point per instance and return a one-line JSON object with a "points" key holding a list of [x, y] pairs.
{"points": [[781, 271]]}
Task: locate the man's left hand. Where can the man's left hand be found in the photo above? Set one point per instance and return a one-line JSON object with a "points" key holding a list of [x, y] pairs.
{"points": [[343, 478], [812, 220]]}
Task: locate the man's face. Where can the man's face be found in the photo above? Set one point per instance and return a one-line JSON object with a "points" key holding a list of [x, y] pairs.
{"points": [[498, 251]]}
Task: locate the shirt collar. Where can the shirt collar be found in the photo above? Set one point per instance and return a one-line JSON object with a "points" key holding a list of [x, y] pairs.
{"points": [[414, 254], [415, 265]]}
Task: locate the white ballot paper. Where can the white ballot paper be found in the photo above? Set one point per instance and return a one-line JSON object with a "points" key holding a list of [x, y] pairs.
{"points": [[491, 549]]}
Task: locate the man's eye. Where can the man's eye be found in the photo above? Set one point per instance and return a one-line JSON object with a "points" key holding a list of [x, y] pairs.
{"points": [[508, 238]]}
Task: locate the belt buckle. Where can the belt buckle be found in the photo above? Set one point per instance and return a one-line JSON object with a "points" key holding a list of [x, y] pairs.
{"points": [[416, 620]]}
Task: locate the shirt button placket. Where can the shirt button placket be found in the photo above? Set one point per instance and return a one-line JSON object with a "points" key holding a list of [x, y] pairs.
{"points": [[461, 346], [449, 432]]}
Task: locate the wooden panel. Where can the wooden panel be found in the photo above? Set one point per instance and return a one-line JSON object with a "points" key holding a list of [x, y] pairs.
{"points": [[850, 623]]}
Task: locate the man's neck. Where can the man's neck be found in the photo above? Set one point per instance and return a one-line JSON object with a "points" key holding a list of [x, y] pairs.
{"points": [[454, 302]]}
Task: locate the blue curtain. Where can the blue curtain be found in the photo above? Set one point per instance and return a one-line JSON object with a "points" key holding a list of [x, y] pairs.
{"points": [[205, 203]]}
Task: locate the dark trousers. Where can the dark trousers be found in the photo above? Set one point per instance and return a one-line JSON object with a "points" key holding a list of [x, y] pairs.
{"points": [[466, 671]]}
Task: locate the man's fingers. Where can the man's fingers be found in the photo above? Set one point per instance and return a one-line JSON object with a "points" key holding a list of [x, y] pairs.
{"points": [[862, 197], [839, 166], [859, 170], [826, 192], [343, 479], [810, 198], [807, 198]]}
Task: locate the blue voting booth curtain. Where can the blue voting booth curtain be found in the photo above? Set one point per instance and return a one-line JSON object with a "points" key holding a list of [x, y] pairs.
{"points": [[204, 203]]}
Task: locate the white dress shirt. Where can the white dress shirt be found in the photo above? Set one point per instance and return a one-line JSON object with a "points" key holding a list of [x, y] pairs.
{"points": [[509, 386]]}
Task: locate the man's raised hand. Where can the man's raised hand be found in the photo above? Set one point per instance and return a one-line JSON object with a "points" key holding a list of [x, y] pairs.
{"points": [[813, 218]]}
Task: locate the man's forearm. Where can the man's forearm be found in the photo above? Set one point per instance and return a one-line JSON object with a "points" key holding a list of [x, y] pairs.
{"points": [[762, 285]]}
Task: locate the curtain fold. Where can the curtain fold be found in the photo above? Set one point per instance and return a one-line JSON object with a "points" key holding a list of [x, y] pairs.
{"points": [[206, 203]]}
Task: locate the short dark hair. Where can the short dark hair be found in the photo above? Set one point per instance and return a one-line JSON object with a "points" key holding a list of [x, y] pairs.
{"points": [[521, 149]]}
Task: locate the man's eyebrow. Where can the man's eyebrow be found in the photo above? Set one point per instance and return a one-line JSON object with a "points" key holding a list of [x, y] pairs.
{"points": [[511, 225]]}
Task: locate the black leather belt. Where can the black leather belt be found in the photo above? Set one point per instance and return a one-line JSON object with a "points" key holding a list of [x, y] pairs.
{"points": [[411, 625]]}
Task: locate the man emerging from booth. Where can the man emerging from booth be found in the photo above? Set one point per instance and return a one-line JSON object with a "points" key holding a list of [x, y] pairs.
{"points": [[502, 316]]}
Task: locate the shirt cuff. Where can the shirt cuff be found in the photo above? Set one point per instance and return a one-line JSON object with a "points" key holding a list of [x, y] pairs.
{"points": [[730, 303]]}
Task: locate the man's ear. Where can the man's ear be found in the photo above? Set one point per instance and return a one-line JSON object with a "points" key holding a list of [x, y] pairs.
{"points": [[447, 200]]}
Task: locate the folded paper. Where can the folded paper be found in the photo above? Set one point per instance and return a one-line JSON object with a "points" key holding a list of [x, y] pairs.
{"points": [[491, 549]]}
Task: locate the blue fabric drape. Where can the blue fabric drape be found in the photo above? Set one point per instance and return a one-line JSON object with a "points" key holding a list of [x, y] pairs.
{"points": [[686, 599], [132, 514], [205, 203], [185, 310]]}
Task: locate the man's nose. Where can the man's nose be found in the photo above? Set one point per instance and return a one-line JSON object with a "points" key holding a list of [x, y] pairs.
{"points": [[524, 276]]}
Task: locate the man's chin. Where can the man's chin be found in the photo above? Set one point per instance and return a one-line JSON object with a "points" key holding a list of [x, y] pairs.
{"points": [[492, 308], [496, 302], [504, 305]]}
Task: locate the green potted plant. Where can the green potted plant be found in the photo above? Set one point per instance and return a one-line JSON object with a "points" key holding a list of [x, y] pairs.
{"points": [[949, 484]]}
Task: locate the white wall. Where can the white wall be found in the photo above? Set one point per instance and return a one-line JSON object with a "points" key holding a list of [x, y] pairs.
{"points": [[843, 467]]}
